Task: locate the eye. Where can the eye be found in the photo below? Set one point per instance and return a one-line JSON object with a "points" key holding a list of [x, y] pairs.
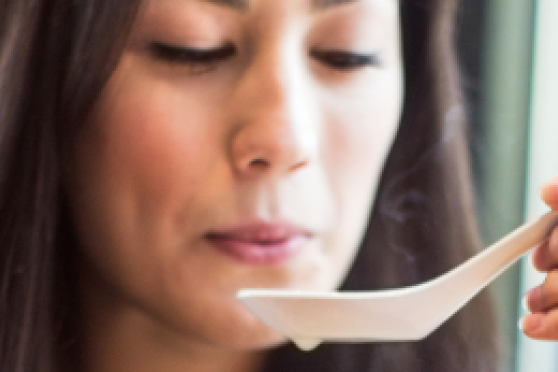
{"points": [[345, 61], [197, 60]]}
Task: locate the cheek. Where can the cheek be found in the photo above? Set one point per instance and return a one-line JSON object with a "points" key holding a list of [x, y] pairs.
{"points": [[361, 137], [136, 170], [145, 144], [359, 141]]}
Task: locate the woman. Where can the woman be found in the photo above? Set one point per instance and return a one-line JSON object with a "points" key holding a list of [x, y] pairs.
{"points": [[159, 156]]}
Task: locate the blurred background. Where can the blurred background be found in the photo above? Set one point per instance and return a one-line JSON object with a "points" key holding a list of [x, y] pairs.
{"points": [[509, 57]]}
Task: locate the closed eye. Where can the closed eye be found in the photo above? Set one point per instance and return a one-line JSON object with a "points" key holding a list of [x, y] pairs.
{"points": [[345, 61], [200, 60]]}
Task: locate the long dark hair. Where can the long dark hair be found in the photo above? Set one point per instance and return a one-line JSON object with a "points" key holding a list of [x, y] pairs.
{"points": [[423, 221], [56, 56]]}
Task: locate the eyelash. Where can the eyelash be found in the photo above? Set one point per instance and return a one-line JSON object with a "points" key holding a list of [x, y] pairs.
{"points": [[199, 60], [345, 61], [205, 60]]}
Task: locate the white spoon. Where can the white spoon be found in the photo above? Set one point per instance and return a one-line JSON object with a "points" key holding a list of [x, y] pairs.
{"points": [[404, 314]]}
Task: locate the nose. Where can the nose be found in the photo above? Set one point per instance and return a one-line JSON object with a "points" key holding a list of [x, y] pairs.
{"points": [[274, 129]]}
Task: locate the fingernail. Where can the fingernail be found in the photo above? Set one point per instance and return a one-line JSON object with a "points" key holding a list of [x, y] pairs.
{"points": [[530, 323], [532, 301]]}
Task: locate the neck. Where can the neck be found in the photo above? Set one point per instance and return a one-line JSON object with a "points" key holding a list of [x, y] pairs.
{"points": [[119, 338]]}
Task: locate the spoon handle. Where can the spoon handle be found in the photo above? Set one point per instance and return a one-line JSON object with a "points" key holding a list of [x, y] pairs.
{"points": [[480, 270]]}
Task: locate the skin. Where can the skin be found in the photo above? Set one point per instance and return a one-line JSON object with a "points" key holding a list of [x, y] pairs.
{"points": [[173, 151], [542, 301]]}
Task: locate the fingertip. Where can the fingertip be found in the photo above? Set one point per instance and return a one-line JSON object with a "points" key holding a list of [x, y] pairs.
{"points": [[530, 324], [537, 257], [531, 256], [542, 257], [540, 326], [533, 300], [549, 192]]}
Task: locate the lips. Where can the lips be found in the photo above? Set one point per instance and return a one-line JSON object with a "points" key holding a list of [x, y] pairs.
{"points": [[260, 244]]}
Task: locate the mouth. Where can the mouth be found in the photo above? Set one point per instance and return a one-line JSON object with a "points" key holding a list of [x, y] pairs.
{"points": [[260, 244]]}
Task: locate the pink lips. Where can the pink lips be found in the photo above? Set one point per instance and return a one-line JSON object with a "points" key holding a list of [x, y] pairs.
{"points": [[261, 244]]}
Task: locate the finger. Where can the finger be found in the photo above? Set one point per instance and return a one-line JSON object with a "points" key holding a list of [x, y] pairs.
{"points": [[540, 257], [545, 296], [549, 193], [532, 301], [545, 255], [540, 326]]}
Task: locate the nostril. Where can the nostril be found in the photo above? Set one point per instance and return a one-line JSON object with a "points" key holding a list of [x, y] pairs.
{"points": [[262, 163], [268, 147], [299, 165], [258, 163]]}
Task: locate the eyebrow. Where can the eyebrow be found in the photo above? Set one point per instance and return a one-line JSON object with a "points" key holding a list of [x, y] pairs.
{"points": [[242, 5]]}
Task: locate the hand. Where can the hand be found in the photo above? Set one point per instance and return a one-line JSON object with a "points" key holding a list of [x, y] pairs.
{"points": [[542, 301]]}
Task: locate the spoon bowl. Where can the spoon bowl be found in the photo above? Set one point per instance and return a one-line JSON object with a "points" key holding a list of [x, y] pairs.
{"points": [[404, 314]]}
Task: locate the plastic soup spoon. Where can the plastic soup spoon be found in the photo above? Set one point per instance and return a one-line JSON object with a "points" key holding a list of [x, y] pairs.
{"points": [[404, 314]]}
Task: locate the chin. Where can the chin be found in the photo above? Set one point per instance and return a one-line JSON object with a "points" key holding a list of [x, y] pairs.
{"points": [[254, 335], [248, 341]]}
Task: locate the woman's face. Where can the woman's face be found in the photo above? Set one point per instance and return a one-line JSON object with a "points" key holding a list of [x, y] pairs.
{"points": [[238, 144]]}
